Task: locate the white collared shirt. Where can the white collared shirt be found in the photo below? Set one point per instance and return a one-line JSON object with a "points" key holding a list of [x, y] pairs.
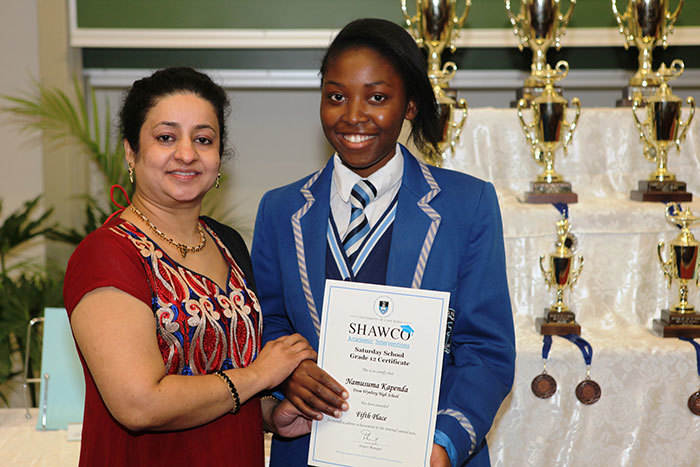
{"points": [[387, 181]]}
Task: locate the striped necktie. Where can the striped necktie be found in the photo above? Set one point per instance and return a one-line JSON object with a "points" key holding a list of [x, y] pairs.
{"points": [[361, 195]]}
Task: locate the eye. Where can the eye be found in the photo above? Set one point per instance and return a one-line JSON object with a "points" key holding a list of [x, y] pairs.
{"points": [[165, 138], [203, 140], [335, 97], [377, 98]]}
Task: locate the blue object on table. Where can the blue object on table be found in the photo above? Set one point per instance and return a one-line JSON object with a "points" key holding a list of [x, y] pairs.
{"points": [[62, 391]]}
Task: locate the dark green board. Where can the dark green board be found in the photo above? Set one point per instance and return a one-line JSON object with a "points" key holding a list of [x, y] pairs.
{"points": [[312, 14]]}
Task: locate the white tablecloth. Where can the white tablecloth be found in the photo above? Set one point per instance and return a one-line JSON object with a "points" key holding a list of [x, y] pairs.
{"points": [[642, 417]]}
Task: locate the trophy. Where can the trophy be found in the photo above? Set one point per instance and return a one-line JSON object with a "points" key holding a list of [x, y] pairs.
{"points": [[662, 127], [539, 24], [644, 24], [434, 27], [558, 319], [547, 132], [682, 320]]}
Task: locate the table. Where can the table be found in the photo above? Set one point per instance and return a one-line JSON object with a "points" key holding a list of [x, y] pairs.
{"points": [[642, 417]]}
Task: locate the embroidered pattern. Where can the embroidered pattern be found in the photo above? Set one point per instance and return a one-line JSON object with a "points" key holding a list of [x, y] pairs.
{"points": [[200, 327], [466, 424]]}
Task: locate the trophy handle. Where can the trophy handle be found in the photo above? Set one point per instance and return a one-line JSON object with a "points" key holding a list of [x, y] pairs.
{"points": [[546, 273], [411, 21], [621, 20], [457, 127], [458, 22], [665, 265], [522, 105], [566, 17], [576, 274], [648, 145], [671, 20], [572, 126], [517, 23], [684, 125]]}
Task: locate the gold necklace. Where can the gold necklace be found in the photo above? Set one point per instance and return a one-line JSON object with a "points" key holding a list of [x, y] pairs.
{"points": [[181, 247]]}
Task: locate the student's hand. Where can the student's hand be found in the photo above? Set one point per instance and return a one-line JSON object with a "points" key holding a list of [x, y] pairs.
{"points": [[439, 457], [279, 358], [314, 392], [288, 421]]}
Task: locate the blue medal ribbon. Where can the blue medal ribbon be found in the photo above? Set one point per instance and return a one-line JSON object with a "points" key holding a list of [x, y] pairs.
{"points": [[546, 346], [697, 349], [563, 209], [583, 345]]}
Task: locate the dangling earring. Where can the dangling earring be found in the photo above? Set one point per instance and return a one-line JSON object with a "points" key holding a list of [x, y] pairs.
{"points": [[218, 180], [131, 173]]}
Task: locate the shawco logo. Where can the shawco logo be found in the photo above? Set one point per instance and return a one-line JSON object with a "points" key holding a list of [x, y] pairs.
{"points": [[383, 307], [397, 333]]}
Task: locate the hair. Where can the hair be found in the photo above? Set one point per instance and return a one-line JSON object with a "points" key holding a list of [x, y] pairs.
{"points": [[145, 93], [396, 45]]}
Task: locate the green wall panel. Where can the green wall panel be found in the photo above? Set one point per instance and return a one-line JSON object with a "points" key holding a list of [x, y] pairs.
{"points": [[310, 59], [311, 14]]}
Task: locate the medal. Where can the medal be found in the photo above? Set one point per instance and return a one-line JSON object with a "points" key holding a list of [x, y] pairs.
{"points": [[587, 391], [694, 399], [543, 385], [694, 403]]}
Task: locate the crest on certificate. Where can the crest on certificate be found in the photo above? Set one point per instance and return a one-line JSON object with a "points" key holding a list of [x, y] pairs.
{"points": [[383, 306]]}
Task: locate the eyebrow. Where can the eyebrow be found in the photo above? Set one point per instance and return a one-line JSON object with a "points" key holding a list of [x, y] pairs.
{"points": [[177, 125], [373, 83]]}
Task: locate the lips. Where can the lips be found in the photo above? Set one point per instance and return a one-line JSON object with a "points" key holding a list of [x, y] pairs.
{"points": [[357, 138], [183, 173]]}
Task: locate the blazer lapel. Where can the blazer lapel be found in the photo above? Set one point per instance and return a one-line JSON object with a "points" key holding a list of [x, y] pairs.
{"points": [[415, 226], [310, 225]]}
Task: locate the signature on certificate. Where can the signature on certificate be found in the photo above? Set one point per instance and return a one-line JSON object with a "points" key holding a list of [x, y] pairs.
{"points": [[368, 437]]}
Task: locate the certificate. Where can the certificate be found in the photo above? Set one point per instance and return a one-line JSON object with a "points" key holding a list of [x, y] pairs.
{"points": [[385, 345]]}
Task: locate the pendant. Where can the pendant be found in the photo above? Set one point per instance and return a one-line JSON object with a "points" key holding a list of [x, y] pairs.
{"points": [[694, 403], [588, 391], [543, 386], [183, 250]]}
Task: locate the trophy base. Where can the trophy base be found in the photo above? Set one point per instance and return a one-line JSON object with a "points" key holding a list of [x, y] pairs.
{"points": [[557, 323], [630, 92], [554, 192], [530, 93], [674, 318], [668, 190], [663, 329]]}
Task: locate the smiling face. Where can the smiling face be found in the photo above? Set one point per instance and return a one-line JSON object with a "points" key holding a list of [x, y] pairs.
{"points": [[363, 107], [178, 157]]}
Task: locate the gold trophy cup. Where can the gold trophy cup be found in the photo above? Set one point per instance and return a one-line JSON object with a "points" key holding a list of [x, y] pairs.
{"points": [[645, 24], [682, 320], [548, 132], [539, 24], [434, 27], [662, 127], [558, 319]]}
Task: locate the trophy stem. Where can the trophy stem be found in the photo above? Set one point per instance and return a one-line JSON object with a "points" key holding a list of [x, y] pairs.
{"points": [[645, 74], [661, 174], [559, 306], [683, 306], [549, 175]]}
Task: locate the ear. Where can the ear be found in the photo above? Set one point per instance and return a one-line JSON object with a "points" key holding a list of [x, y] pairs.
{"points": [[129, 153], [411, 110]]}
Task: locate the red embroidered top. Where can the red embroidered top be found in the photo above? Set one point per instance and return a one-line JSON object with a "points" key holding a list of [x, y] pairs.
{"points": [[200, 328]]}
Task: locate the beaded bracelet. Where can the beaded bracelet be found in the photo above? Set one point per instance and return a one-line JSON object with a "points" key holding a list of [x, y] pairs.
{"points": [[232, 390]]}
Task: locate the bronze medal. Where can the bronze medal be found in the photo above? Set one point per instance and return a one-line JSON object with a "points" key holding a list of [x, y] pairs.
{"points": [[544, 386], [694, 403], [588, 392]]}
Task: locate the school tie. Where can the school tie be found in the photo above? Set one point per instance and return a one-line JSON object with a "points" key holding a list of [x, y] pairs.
{"points": [[361, 195]]}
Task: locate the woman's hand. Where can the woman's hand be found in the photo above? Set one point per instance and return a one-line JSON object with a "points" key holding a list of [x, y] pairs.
{"points": [[279, 358], [439, 457], [314, 392], [288, 421]]}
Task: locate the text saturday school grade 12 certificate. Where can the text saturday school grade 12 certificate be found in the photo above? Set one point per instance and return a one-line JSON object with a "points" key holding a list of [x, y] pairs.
{"points": [[385, 345]]}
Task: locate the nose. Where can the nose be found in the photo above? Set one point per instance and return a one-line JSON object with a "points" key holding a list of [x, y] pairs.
{"points": [[186, 151], [355, 111]]}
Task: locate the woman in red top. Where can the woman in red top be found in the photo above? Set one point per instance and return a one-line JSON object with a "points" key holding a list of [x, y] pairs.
{"points": [[163, 306]]}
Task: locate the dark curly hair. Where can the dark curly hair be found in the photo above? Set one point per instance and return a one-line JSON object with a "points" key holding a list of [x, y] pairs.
{"points": [[396, 45], [146, 92]]}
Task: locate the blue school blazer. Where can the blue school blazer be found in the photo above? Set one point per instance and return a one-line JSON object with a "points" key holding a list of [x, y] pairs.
{"points": [[447, 236]]}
